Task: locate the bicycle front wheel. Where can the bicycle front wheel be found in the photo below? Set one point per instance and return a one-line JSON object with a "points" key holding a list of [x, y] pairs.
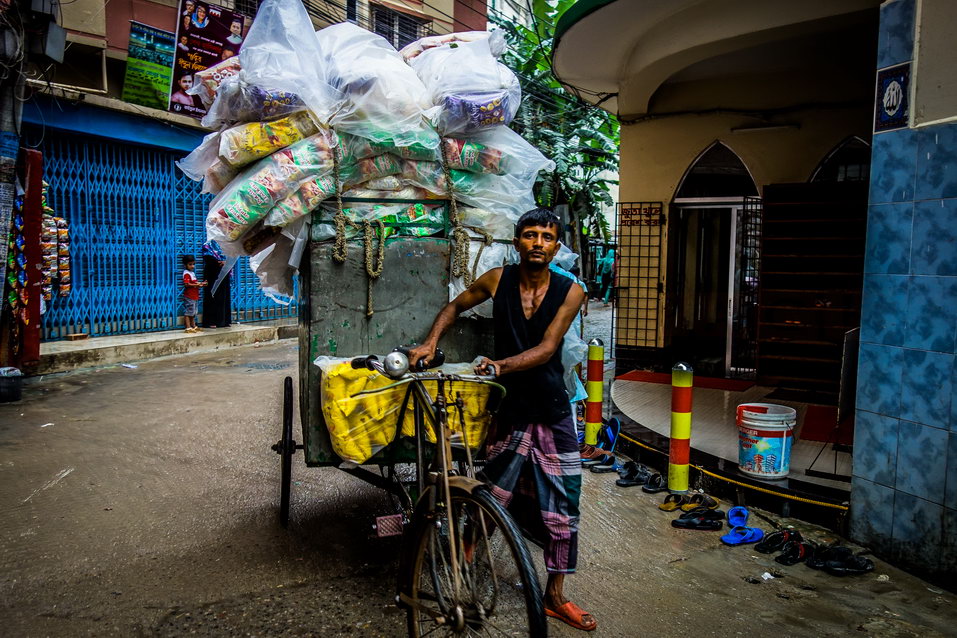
{"points": [[489, 589]]}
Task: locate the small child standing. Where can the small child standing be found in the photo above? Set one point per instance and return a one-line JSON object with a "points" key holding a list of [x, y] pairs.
{"points": [[191, 288]]}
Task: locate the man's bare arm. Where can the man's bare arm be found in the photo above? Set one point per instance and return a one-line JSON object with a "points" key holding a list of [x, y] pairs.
{"points": [[481, 289], [541, 353]]}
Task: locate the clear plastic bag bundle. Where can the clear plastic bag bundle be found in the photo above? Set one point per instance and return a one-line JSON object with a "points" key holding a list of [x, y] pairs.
{"points": [[276, 263], [416, 220], [495, 38], [205, 164], [382, 95], [355, 147], [239, 101], [207, 81], [246, 143], [257, 190], [499, 151], [505, 194], [282, 57], [472, 89]]}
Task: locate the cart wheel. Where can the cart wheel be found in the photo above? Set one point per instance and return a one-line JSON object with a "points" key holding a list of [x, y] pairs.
{"points": [[286, 447]]}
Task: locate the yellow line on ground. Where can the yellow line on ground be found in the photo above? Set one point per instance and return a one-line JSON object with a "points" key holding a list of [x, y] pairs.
{"points": [[801, 499]]}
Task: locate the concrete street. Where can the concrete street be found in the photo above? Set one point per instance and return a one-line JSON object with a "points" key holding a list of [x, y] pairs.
{"points": [[142, 502]]}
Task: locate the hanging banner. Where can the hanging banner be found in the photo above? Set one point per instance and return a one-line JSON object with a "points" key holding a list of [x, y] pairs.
{"points": [[149, 66], [206, 34]]}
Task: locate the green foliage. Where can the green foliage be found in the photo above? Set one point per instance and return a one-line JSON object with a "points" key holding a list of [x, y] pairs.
{"points": [[581, 139]]}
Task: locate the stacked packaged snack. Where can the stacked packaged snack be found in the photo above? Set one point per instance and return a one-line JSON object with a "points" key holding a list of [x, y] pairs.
{"points": [[336, 115]]}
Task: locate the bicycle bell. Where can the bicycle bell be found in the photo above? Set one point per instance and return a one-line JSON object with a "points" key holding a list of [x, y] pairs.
{"points": [[395, 364]]}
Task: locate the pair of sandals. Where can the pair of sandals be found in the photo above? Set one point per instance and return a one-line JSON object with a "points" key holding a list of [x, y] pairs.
{"points": [[688, 502], [838, 560], [740, 533], [794, 549], [700, 518], [633, 473]]}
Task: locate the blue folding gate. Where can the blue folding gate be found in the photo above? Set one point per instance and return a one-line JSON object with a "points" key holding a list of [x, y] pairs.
{"points": [[132, 215]]}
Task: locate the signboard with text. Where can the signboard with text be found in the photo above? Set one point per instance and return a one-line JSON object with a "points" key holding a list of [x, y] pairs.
{"points": [[206, 34], [149, 66]]}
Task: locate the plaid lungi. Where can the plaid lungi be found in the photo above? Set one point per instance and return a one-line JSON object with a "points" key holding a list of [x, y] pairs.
{"points": [[542, 464]]}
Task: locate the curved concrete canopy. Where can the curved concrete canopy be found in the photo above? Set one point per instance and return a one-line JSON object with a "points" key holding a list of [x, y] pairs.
{"points": [[616, 53]]}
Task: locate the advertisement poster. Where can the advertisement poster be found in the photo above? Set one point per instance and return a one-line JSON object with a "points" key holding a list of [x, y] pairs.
{"points": [[206, 34], [149, 66]]}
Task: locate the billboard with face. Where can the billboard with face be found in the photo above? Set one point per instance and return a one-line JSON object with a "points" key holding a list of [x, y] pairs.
{"points": [[205, 35]]}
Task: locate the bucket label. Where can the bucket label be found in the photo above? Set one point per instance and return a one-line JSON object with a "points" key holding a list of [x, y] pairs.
{"points": [[764, 456]]}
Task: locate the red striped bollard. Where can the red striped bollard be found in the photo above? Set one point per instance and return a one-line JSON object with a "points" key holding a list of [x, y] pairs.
{"points": [[594, 386], [679, 454]]}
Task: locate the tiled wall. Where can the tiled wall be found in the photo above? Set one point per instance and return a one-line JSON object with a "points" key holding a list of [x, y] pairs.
{"points": [[904, 494]]}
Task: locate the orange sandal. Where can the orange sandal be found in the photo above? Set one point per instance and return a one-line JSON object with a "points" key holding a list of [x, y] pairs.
{"points": [[573, 615]]}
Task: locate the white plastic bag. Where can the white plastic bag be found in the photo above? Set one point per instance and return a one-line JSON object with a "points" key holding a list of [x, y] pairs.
{"points": [[280, 53], [381, 94], [239, 101], [472, 89], [205, 164], [496, 42]]}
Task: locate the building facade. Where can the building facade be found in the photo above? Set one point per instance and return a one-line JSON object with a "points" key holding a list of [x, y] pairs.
{"points": [[780, 202], [110, 164]]}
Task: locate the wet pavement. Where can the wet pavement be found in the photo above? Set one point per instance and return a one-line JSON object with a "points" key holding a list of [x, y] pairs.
{"points": [[142, 502]]}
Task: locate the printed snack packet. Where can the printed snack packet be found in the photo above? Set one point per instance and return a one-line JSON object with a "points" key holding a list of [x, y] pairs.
{"points": [[473, 157], [251, 196], [206, 82], [245, 143], [307, 198], [218, 176]]}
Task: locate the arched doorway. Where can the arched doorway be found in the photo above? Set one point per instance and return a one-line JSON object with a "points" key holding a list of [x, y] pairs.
{"points": [[706, 236]]}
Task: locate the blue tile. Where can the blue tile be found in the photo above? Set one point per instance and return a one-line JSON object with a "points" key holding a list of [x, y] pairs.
{"points": [[926, 387], [889, 238], [922, 461], [950, 492], [953, 402], [934, 244], [884, 309], [879, 379], [931, 313], [895, 42], [948, 547], [872, 514], [937, 162], [918, 531], [893, 167], [875, 447]]}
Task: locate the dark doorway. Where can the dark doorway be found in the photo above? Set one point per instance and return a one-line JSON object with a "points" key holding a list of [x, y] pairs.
{"points": [[702, 253]]}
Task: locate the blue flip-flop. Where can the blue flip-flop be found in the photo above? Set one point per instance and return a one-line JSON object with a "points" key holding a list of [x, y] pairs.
{"points": [[738, 516], [742, 535], [612, 430]]}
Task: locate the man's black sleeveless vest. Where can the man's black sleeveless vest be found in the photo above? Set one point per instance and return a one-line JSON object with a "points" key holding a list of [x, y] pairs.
{"points": [[536, 395]]}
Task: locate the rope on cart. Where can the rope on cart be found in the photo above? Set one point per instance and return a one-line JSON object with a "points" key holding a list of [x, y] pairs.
{"points": [[460, 236], [373, 262]]}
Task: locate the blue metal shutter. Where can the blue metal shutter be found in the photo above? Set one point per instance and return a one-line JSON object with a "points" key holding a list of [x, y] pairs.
{"points": [[132, 216]]}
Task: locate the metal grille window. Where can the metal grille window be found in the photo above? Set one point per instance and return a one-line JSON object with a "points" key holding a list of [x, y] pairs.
{"points": [[640, 229], [132, 215], [398, 28], [745, 339]]}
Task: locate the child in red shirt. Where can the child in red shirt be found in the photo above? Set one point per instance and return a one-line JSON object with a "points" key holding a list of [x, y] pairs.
{"points": [[191, 288]]}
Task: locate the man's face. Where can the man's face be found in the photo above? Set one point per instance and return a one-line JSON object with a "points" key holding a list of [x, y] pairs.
{"points": [[537, 245], [189, 7], [186, 82], [236, 28]]}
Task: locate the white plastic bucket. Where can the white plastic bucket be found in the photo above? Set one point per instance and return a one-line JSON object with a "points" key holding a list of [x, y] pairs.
{"points": [[765, 432]]}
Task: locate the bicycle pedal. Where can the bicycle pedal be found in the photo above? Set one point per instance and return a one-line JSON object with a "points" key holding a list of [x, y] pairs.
{"points": [[390, 525]]}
